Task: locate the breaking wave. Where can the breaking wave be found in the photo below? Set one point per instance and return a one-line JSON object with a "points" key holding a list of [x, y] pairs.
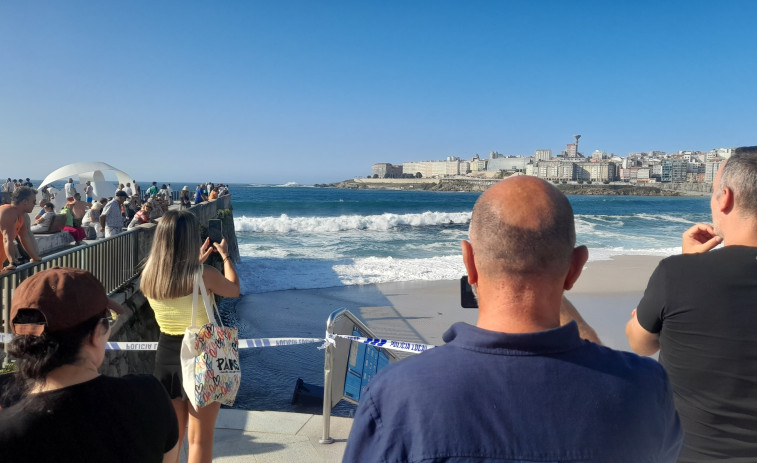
{"points": [[286, 224]]}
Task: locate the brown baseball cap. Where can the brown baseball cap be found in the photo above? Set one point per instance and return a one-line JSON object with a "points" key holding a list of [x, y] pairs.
{"points": [[66, 297]]}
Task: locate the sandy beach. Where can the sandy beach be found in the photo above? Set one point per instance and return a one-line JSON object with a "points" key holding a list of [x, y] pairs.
{"points": [[415, 311], [420, 311]]}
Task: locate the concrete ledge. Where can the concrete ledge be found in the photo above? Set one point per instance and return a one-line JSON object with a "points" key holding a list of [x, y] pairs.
{"points": [[49, 243]]}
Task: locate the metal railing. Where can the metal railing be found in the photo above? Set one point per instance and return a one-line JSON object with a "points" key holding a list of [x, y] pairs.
{"points": [[114, 261]]}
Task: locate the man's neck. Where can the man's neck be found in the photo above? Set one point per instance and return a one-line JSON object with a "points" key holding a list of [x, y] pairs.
{"points": [[742, 233], [519, 310]]}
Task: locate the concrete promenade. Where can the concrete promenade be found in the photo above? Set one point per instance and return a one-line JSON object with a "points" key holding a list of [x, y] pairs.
{"points": [[272, 437]]}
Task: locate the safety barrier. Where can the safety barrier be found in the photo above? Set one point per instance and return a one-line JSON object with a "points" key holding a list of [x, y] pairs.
{"points": [[114, 261]]}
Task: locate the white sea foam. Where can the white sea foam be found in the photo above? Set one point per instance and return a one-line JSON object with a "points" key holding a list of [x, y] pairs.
{"points": [[664, 218], [286, 224], [263, 274]]}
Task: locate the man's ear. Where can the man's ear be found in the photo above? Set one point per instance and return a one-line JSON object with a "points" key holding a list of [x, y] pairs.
{"points": [[469, 261], [577, 262], [725, 200]]}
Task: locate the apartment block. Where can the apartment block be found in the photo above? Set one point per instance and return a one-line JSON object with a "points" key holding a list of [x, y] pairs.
{"points": [[542, 155]]}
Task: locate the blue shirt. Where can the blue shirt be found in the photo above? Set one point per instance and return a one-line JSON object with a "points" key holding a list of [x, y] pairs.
{"points": [[488, 396]]}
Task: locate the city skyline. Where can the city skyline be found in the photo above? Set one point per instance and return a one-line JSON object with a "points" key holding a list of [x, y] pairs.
{"points": [[312, 92]]}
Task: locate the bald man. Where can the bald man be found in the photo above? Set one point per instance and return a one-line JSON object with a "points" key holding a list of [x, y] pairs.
{"points": [[521, 385]]}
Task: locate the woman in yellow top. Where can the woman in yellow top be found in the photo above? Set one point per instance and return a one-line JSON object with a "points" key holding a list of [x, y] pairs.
{"points": [[176, 256]]}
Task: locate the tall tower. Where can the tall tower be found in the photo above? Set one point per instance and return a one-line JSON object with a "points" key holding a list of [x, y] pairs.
{"points": [[576, 137]]}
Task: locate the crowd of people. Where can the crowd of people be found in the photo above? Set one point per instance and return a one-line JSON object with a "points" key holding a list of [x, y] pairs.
{"points": [[93, 218], [531, 381]]}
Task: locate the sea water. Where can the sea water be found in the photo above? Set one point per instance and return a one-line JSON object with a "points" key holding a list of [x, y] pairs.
{"points": [[305, 238]]}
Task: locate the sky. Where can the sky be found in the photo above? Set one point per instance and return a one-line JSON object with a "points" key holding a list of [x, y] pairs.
{"points": [[317, 91]]}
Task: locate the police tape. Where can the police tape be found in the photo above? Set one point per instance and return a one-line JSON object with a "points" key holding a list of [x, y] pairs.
{"points": [[242, 343], [414, 348]]}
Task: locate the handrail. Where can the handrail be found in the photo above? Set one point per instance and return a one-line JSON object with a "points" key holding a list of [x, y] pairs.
{"points": [[113, 261]]}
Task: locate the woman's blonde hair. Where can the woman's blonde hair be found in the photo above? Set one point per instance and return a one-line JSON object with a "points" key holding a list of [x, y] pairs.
{"points": [[174, 258]]}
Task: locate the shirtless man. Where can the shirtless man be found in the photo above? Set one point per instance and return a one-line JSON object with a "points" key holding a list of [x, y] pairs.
{"points": [[14, 222]]}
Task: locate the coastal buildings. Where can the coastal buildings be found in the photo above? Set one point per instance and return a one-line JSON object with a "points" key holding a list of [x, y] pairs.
{"points": [[571, 166]]}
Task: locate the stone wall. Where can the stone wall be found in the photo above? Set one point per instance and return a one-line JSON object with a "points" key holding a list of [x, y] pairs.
{"points": [[136, 325]]}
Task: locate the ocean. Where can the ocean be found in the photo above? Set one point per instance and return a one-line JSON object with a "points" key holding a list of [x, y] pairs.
{"points": [[305, 237]]}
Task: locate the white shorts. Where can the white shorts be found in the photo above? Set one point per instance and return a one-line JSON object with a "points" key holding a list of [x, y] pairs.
{"points": [[112, 231]]}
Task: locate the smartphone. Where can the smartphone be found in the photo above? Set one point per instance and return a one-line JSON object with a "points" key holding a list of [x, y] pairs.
{"points": [[215, 230], [467, 298]]}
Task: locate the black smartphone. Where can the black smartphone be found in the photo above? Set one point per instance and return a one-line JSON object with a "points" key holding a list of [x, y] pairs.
{"points": [[215, 230], [467, 298]]}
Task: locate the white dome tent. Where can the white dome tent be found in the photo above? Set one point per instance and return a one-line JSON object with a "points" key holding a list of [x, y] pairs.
{"points": [[86, 171]]}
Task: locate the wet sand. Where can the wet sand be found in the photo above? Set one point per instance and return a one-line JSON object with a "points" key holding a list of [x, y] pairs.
{"points": [[420, 311]]}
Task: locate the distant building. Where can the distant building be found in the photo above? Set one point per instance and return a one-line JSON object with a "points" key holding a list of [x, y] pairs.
{"points": [[509, 164], [571, 151], [386, 170], [673, 171], [477, 165], [711, 168], [415, 167], [602, 171], [724, 153], [542, 155], [556, 169]]}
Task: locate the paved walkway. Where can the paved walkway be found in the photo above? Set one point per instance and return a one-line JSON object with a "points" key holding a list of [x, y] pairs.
{"points": [[270, 437]]}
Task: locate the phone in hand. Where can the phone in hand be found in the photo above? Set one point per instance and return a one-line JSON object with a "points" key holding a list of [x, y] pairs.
{"points": [[467, 298], [215, 230]]}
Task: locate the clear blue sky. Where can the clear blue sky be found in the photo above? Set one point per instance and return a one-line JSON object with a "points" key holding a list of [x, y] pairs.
{"points": [[316, 91]]}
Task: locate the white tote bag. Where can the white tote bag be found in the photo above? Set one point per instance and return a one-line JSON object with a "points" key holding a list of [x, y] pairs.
{"points": [[209, 356]]}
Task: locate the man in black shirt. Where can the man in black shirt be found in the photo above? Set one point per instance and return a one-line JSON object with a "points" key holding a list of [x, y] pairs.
{"points": [[700, 311]]}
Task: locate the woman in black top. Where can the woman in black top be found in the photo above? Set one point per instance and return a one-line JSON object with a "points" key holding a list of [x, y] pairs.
{"points": [[59, 407]]}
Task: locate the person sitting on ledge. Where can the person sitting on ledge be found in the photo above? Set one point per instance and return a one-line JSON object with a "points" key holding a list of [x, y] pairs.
{"points": [[91, 221], [142, 216], [44, 219], [59, 407], [76, 232], [520, 385]]}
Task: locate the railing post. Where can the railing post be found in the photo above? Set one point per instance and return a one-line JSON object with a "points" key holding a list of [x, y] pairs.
{"points": [[328, 366]]}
